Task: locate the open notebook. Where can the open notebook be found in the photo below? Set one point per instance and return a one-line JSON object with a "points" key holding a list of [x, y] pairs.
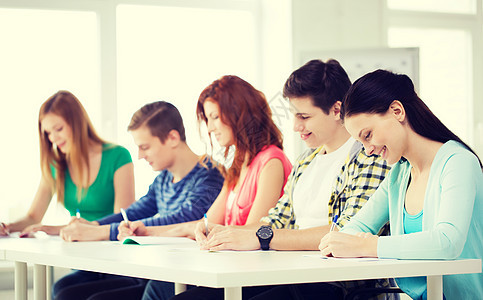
{"points": [[157, 240], [17, 234]]}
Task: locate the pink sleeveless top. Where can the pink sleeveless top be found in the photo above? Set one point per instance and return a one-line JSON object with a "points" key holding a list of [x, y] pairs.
{"points": [[238, 213]]}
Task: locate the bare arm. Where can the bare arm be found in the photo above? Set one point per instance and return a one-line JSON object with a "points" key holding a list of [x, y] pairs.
{"points": [[339, 244], [78, 231], [124, 187], [270, 184], [124, 196], [244, 238], [216, 213], [303, 239], [37, 208]]}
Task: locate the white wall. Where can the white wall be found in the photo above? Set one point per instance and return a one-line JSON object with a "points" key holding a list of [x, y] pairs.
{"points": [[336, 24], [343, 24]]}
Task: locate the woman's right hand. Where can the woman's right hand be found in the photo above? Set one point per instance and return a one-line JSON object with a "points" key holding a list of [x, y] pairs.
{"points": [[339, 244], [200, 236], [200, 232], [4, 229], [30, 230]]}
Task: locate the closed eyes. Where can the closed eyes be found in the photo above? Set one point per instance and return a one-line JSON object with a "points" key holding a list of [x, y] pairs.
{"points": [[368, 135]]}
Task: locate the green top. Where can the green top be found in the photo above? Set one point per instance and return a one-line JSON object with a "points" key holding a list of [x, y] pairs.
{"points": [[98, 200]]}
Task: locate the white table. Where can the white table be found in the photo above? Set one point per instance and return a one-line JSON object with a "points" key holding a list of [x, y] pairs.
{"points": [[185, 264]]}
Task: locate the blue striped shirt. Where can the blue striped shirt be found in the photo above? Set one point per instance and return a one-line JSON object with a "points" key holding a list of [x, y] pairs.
{"points": [[169, 203]]}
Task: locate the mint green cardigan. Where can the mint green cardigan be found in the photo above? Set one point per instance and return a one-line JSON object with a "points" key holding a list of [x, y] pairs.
{"points": [[452, 219]]}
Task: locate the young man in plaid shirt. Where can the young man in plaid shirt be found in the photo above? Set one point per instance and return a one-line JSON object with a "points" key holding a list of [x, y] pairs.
{"points": [[334, 177]]}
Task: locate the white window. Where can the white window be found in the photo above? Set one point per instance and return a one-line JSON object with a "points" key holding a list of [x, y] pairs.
{"points": [[181, 51], [116, 57], [449, 34], [448, 6], [445, 73], [42, 52]]}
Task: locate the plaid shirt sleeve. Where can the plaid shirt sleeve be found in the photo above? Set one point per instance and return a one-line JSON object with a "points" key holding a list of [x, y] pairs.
{"points": [[359, 179]]}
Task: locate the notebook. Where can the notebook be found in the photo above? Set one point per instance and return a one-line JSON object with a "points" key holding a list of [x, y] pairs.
{"points": [[157, 240]]}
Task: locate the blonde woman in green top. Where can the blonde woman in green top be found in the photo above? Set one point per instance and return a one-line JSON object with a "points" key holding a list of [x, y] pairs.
{"points": [[88, 175]]}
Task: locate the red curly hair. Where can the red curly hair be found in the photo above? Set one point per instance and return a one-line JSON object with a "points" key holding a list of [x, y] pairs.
{"points": [[246, 111]]}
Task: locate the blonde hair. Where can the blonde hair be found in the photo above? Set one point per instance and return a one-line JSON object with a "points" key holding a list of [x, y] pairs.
{"points": [[65, 105]]}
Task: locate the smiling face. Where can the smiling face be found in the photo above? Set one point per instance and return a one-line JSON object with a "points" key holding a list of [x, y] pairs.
{"points": [[223, 133], [315, 127], [381, 134], [58, 132], [160, 156]]}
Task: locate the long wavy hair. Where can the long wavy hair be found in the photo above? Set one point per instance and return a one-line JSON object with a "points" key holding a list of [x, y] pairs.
{"points": [[246, 111], [373, 93], [65, 105]]}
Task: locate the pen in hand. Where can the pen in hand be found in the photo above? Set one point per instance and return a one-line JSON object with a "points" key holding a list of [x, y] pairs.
{"points": [[5, 228], [205, 218], [332, 227], [124, 216]]}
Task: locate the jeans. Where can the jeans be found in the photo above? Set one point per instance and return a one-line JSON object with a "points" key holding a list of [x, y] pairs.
{"points": [[281, 292], [159, 290], [93, 286]]}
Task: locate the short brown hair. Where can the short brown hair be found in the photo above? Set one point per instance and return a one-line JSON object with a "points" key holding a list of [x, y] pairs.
{"points": [[160, 117]]}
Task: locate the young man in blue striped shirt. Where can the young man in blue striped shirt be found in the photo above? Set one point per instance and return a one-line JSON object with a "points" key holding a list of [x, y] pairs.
{"points": [[183, 191]]}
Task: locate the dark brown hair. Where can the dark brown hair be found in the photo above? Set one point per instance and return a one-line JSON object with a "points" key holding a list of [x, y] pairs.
{"points": [[374, 92], [324, 82]]}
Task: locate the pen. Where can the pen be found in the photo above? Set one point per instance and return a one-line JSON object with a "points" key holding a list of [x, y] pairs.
{"points": [[5, 228], [332, 227], [124, 216], [77, 214], [206, 224]]}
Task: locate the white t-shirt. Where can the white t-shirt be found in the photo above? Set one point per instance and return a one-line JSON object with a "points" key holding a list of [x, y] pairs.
{"points": [[312, 191]]}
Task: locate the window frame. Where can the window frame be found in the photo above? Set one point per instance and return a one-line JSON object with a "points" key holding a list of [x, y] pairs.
{"points": [[472, 23]]}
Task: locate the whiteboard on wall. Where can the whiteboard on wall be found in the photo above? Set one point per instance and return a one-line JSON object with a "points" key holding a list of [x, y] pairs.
{"points": [[358, 62]]}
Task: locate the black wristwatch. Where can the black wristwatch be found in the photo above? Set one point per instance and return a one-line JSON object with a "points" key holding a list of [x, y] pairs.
{"points": [[265, 235]]}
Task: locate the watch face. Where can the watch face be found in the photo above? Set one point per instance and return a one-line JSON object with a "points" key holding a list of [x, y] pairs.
{"points": [[265, 232]]}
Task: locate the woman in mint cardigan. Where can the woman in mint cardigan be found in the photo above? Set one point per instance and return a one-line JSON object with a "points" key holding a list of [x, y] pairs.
{"points": [[433, 195]]}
